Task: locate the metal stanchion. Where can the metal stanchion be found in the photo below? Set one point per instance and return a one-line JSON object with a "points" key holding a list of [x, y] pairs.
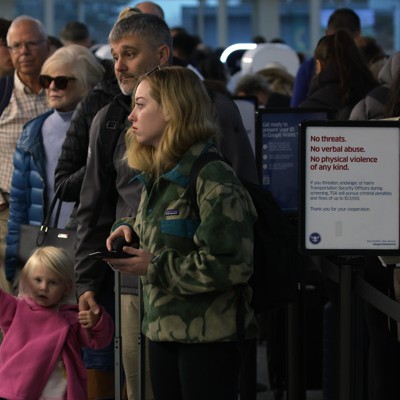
{"points": [[296, 389], [117, 338], [345, 332]]}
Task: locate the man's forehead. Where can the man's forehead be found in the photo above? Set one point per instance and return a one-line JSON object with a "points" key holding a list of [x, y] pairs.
{"points": [[118, 47], [25, 28], [133, 41]]}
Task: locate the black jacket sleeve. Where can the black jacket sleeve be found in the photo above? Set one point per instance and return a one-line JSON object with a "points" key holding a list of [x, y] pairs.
{"points": [[96, 214], [72, 162]]}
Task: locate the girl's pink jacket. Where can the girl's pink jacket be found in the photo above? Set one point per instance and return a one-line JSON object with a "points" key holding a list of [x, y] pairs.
{"points": [[35, 338]]}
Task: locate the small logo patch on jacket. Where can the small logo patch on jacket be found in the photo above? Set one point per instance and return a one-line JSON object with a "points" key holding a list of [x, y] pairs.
{"points": [[171, 212]]}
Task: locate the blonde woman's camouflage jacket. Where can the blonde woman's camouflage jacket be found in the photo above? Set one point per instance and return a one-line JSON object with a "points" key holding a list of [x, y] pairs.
{"points": [[199, 269]]}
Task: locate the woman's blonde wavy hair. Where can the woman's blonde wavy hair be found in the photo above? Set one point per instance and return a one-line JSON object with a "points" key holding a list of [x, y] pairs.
{"points": [[190, 119]]}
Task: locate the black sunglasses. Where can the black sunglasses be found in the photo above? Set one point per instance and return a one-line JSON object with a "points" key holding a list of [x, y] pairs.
{"points": [[61, 82]]}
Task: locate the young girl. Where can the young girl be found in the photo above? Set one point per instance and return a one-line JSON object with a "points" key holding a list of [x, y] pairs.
{"points": [[195, 272], [44, 332]]}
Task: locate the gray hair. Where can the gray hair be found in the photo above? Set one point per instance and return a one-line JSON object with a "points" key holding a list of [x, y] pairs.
{"points": [[34, 21], [148, 26]]}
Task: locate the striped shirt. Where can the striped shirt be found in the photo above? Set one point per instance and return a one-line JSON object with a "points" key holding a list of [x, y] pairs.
{"points": [[23, 106]]}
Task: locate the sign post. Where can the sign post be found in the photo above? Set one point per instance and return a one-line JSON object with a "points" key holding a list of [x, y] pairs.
{"points": [[349, 205]]}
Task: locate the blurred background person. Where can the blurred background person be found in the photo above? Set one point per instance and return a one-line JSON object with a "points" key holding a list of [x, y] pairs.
{"points": [[384, 274], [341, 18], [28, 45], [373, 54], [150, 7], [6, 65], [6, 83], [342, 75], [253, 85], [184, 46], [374, 104], [55, 43], [214, 72], [280, 82], [76, 32]]}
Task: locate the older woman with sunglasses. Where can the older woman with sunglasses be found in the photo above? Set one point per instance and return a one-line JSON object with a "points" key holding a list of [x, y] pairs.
{"points": [[67, 76]]}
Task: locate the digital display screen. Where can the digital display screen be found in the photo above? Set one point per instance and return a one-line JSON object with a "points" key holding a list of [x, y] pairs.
{"points": [[277, 152]]}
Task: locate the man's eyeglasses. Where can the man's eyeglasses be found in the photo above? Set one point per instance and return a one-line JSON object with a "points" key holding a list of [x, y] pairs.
{"points": [[60, 82], [158, 68], [30, 45]]}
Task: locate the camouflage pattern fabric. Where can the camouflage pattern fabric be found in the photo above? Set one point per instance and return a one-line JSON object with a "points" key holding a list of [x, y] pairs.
{"points": [[200, 271]]}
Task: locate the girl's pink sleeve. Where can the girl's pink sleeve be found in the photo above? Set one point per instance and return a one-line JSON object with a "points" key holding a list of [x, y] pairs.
{"points": [[8, 307]]}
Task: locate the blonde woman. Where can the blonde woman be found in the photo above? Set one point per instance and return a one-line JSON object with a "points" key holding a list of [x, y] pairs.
{"points": [[194, 272]]}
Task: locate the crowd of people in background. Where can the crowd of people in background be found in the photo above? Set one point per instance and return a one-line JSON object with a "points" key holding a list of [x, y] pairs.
{"points": [[67, 129]]}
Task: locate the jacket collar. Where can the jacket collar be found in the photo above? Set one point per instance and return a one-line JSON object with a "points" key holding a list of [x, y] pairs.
{"points": [[179, 175], [32, 130]]}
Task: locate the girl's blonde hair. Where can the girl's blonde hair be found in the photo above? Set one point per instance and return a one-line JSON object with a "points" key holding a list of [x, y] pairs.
{"points": [[57, 261], [188, 110]]}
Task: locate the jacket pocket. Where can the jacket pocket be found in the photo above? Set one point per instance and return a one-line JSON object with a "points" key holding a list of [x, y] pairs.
{"points": [[184, 228]]}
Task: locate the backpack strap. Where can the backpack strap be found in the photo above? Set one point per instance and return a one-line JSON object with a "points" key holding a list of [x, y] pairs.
{"points": [[6, 88], [110, 132], [114, 125], [197, 166]]}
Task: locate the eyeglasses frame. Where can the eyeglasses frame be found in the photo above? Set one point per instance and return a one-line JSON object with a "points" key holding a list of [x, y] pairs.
{"points": [[30, 44], [56, 80]]}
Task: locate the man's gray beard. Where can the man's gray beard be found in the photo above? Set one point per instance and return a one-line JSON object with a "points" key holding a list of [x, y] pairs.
{"points": [[126, 92]]}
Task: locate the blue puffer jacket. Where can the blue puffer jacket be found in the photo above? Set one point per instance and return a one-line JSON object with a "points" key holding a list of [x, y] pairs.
{"points": [[27, 197]]}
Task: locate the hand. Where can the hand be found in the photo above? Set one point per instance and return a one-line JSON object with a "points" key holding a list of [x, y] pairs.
{"points": [[136, 265], [122, 231], [88, 319], [87, 302]]}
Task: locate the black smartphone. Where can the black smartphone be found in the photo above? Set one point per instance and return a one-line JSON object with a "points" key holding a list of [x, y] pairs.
{"points": [[116, 251], [110, 254]]}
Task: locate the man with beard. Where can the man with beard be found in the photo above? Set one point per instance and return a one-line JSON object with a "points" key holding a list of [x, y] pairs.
{"points": [[139, 44]]}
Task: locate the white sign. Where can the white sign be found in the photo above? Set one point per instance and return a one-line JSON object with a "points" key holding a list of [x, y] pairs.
{"points": [[351, 187]]}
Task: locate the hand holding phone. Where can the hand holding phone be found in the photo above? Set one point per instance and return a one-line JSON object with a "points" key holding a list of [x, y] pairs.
{"points": [[116, 251]]}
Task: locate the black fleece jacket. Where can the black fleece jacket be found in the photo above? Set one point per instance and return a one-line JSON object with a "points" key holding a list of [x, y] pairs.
{"points": [[72, 162]]}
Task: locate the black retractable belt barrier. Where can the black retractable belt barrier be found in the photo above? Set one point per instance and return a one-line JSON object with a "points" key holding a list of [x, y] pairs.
{"points": [[352, 288]]}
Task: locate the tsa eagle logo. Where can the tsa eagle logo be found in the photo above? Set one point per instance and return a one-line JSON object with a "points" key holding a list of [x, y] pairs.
{"points": [[315, 238]]}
